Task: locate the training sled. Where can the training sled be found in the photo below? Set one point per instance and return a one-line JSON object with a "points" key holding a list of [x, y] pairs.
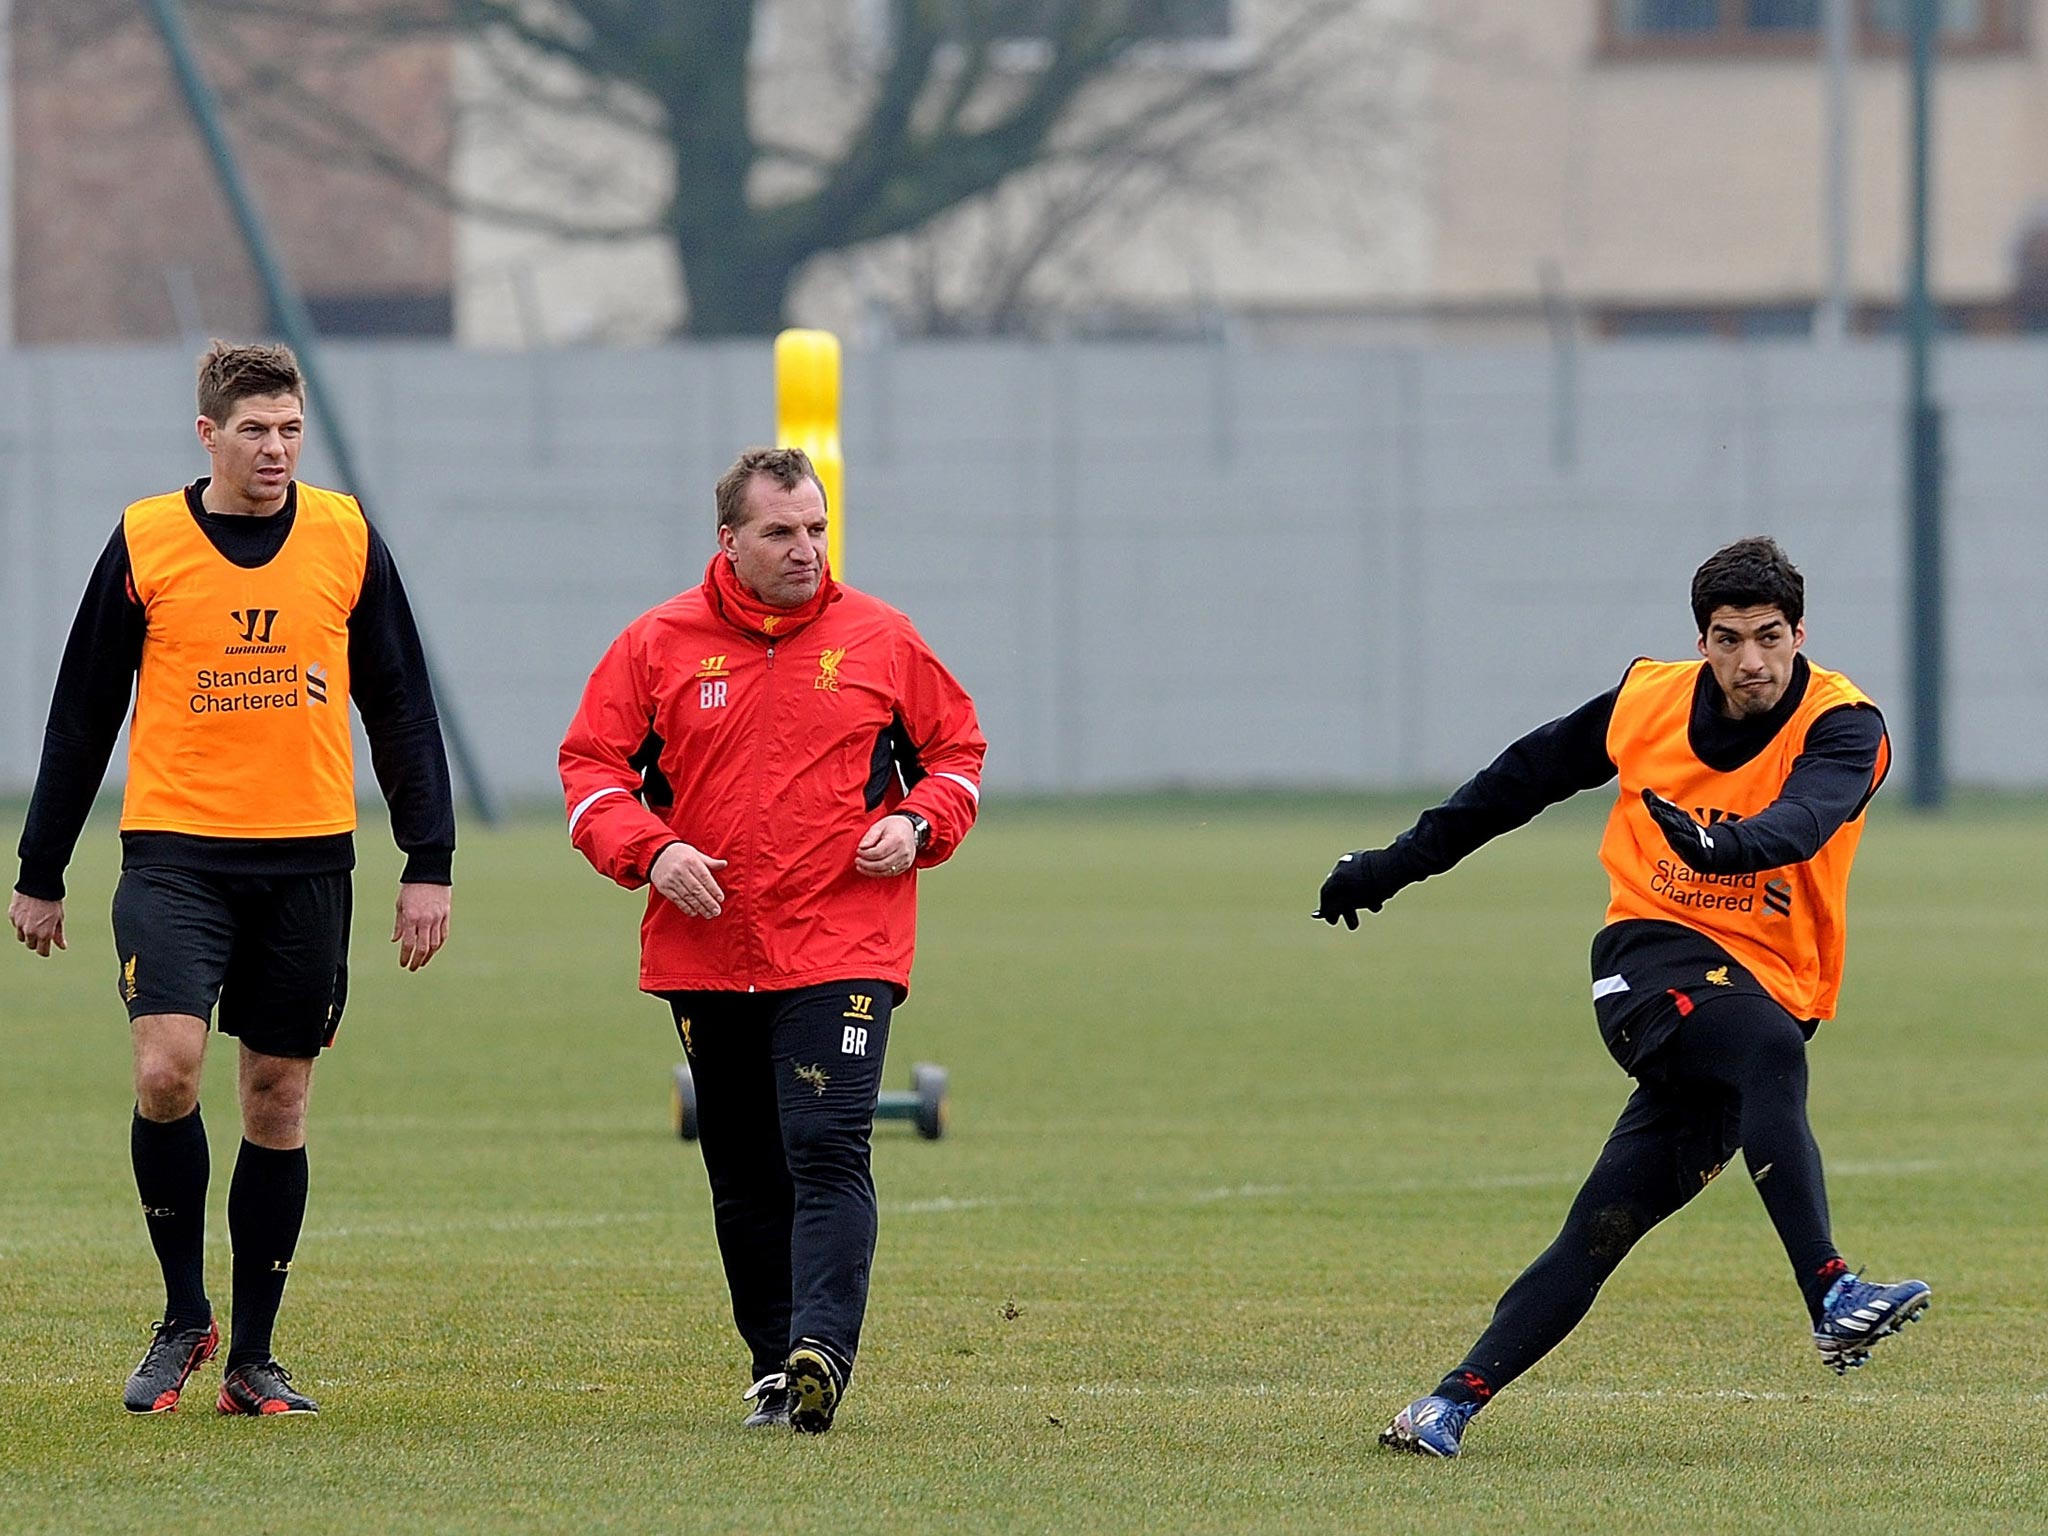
{"points": [[923, 1104]]}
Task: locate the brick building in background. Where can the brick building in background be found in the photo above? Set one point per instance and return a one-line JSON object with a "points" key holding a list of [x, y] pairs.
{"points": [[119, 229], [1624, 167]]}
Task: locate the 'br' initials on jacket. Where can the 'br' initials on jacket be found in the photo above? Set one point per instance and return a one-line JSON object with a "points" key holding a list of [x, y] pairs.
{"points": [[1787, 926]]}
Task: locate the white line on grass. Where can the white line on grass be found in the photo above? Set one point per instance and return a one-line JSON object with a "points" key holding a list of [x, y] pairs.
{"points": [[531, 1222], [1298, 1389], [944, 1205], [1886, 1170], [949, 1205]]}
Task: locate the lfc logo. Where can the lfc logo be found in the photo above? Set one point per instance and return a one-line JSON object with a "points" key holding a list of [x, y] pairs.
{"points": [[828, 669]]}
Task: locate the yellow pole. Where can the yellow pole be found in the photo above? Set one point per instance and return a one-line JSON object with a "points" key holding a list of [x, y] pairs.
{"points": [[807, 417]]}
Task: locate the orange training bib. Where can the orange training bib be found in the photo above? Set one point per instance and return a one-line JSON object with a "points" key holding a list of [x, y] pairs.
{"points": [[241, 705], [1787, 926]]}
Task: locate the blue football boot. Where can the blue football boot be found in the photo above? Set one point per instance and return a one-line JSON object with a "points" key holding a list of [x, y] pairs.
{"points": [[1429, 1426], [1855, 1314]]}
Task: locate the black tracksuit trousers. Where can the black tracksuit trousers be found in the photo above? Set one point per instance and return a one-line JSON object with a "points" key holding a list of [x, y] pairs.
{"points": [[786, 1086]]}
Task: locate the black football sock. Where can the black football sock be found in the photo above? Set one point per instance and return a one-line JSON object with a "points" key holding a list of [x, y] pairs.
{"points": [[1465, 1386], [266, 1208], [1815, 1287], [171, 1168]]}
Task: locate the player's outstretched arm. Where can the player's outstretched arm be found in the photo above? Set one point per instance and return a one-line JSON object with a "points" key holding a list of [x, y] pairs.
{"points": [[1366, 879], [1551, 763]]}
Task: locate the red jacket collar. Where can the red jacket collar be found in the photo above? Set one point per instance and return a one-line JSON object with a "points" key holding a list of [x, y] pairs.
{"points": [[733, 603]]}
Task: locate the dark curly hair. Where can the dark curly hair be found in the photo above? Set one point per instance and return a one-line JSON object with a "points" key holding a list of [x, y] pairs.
{"points": [[1750, 573]]}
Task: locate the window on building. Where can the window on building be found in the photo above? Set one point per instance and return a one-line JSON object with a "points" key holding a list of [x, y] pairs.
{"points": [[382, 313], [1181, 34], [1025, 29], [1774, 321], [1038, 21], [1959, 18], [1762, 322], [1668, 18], [1889, 320], [1661, 324], [1637, 28], [1782, 15], [2030, 274]]}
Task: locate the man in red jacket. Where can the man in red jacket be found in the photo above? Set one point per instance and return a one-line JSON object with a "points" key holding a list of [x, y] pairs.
{"points": [[776, 755]]}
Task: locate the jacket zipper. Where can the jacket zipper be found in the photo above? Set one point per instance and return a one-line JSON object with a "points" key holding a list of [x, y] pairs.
{"points": [[760, 753]]}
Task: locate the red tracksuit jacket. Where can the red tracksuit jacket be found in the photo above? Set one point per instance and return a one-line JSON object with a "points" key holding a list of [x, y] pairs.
{"points": [[773, 752]]}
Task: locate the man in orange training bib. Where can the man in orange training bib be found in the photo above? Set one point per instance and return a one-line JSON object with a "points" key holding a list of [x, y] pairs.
{"points": [[243, 613], [1743, 786]]}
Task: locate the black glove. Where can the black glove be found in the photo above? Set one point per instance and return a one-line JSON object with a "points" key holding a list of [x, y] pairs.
{"points": [[1695, 844], [1362, 879]]}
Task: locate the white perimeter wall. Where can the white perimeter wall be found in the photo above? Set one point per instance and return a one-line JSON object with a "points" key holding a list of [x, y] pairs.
{"points": [[1172, 565]]}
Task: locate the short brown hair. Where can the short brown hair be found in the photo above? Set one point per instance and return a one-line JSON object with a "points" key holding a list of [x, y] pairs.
{"points": [[1750, 573], [230, 371], [785, 466]]}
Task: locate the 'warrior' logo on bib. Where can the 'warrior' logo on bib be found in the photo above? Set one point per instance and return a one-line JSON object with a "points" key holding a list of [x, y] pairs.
{"points": [[254, 619], [254, 625]]}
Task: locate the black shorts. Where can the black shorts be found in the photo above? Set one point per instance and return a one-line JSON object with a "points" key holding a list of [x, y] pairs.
{"points": [[271, 950], [1648, 977]]}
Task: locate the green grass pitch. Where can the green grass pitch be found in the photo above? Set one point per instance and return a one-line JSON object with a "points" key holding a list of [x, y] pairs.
{"points": [[1224, 1188]]}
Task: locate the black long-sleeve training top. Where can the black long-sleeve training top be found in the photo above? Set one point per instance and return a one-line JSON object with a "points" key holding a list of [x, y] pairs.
{"points": [[96, 680], [1829, 782]]}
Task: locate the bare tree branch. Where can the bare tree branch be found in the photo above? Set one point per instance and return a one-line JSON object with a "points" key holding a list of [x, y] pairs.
{"points": [[937, 121]]}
